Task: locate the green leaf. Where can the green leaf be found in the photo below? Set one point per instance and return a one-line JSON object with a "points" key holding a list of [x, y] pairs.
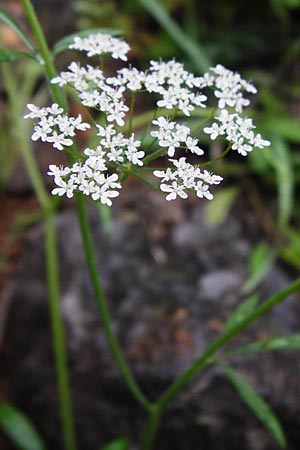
{"points": [[291, 342], [285, 178], [258, 405], [19, 428], [118, 444], [286, 127], [217, 211], [290, 251], [242, 311], [64, 43], [12, 55], [6, 18], [261, 259], [191, 48]]}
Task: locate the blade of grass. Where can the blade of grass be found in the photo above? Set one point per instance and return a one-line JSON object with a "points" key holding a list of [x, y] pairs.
{"points": [[189, 46]]}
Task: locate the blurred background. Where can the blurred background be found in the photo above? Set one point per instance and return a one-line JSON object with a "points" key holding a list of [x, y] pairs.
{"points": [[172, 271]]}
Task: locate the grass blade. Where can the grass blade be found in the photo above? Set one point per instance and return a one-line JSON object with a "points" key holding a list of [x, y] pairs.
{"points": [[257, 404], [242, 311], [118, 444], [18, 427], [8, 20], [12, 55], [191, 48]]}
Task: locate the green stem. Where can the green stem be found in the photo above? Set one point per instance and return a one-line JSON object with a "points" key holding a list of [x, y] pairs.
{"points": [[151, 429], [115, 348], [58, 333], [60, 356], [207, 358], [57, 92], [203, 360], [210, 162], [48, 209], [59, 98], [156, 154], [19, 132]]}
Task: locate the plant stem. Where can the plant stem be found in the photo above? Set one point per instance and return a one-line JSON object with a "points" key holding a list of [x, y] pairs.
{"points": [[203, 360], [206, 358], [46, 204], [115, 348], [208, 163], [60, 356], [58, 333], [58, 97], [151, 428]]}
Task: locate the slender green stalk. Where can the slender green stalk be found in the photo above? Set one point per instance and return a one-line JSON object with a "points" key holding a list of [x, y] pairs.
{"points": [[58, 333], [211, 161], [82, 217], [151, 428], [46, 204], [115, 348], [57, 327], [207, 355], [19, 133], [58, 93]]}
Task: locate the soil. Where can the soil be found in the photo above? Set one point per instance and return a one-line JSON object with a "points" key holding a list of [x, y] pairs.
{"points": [[171, 280]]}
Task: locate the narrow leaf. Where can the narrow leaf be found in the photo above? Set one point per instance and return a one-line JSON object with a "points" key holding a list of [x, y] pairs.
{"points": [[261, 259], [281, 160], [285, 179], [291, 342], [12, 55], [118, 444], [8, 20], [242, 311], [217, 211], [286, 127], [64, 43], [191, 48], [18, 427], [258, 405]]}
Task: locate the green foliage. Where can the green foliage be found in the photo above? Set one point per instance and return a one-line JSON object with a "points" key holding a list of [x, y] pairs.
{"points": [[290, 250], [261, 259], [118, 444], [291, 342], [8, 20], [217, 211], [190, 47], [242, 311], [13, 55], [258, 405], [19, 428]]}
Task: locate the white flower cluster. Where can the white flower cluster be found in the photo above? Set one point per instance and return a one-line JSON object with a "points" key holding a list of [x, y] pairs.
{"points": [[119, 151], [88, 178], [168, 79], [186, 177], [228, 87], [53, 126], [97, 44], [237, 130], [94, 92], [172, 135]]}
